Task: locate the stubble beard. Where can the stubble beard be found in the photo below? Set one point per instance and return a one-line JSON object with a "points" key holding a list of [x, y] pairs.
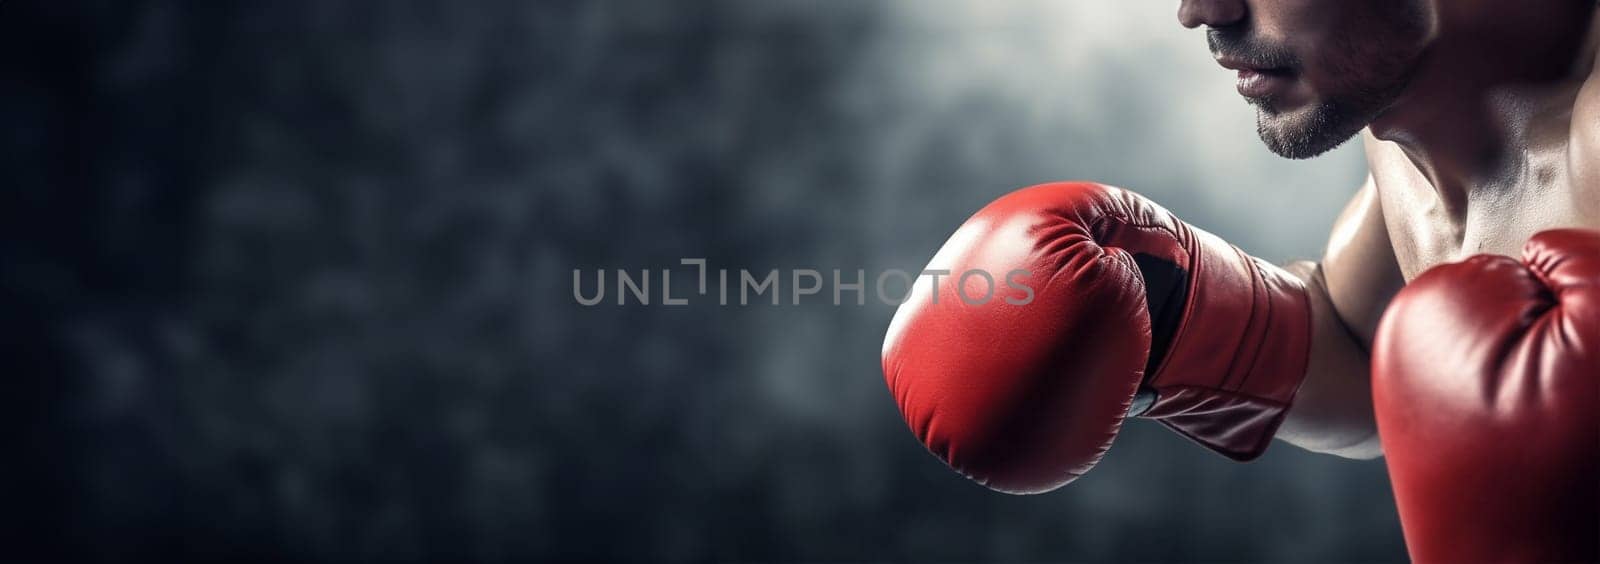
{"points": [[1326, 124], [1306, 132]]}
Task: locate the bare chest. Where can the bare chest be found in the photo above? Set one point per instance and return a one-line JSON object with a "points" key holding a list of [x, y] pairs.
{"points": [[1427, 231]]}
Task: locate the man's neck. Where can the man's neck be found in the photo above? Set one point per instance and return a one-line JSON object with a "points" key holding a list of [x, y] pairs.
{"points": [[1475, 109]]}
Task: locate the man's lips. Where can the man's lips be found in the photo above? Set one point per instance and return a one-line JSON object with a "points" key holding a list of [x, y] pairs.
{"points": [[1263, 85], [1258, 82]]}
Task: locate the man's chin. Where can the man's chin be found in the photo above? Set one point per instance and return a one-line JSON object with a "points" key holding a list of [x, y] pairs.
{"points": [[1305, 132]]}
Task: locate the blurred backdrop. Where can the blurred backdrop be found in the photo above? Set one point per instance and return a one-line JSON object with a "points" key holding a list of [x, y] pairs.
{"points": [[293, 279]]}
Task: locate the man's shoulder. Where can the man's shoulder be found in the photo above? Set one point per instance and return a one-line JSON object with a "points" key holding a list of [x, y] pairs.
{"points": [[1583, 144]]}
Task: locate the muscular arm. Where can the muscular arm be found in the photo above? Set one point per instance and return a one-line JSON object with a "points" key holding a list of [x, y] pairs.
{"points": [[1583, 150], [1349, 289]]}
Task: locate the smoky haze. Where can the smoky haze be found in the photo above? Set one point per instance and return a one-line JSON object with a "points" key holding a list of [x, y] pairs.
{"points": [[293, 279]]}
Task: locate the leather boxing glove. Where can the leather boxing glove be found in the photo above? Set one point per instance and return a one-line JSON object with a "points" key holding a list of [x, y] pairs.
{"points": [[1098, 296], [1486, 383]]}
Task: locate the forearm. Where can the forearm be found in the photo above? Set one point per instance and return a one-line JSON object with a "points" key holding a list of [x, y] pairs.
{"points": [[1332, 411]]}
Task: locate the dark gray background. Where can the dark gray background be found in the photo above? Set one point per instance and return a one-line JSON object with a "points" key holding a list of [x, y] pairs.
{"points": [[292, 279]]}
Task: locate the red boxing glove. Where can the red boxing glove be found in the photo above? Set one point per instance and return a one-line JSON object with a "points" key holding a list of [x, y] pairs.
{"points": [[1486, 378], [1097, 294]]}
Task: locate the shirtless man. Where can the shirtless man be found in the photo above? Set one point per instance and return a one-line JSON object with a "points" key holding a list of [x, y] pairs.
{"points": [[1453, 323]]}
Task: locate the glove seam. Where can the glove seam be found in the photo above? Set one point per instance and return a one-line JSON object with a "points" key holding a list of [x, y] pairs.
{"points": [[1215, 392]]}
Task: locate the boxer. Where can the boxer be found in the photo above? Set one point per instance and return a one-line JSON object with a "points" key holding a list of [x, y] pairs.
{"points": [[1452, 324]]}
